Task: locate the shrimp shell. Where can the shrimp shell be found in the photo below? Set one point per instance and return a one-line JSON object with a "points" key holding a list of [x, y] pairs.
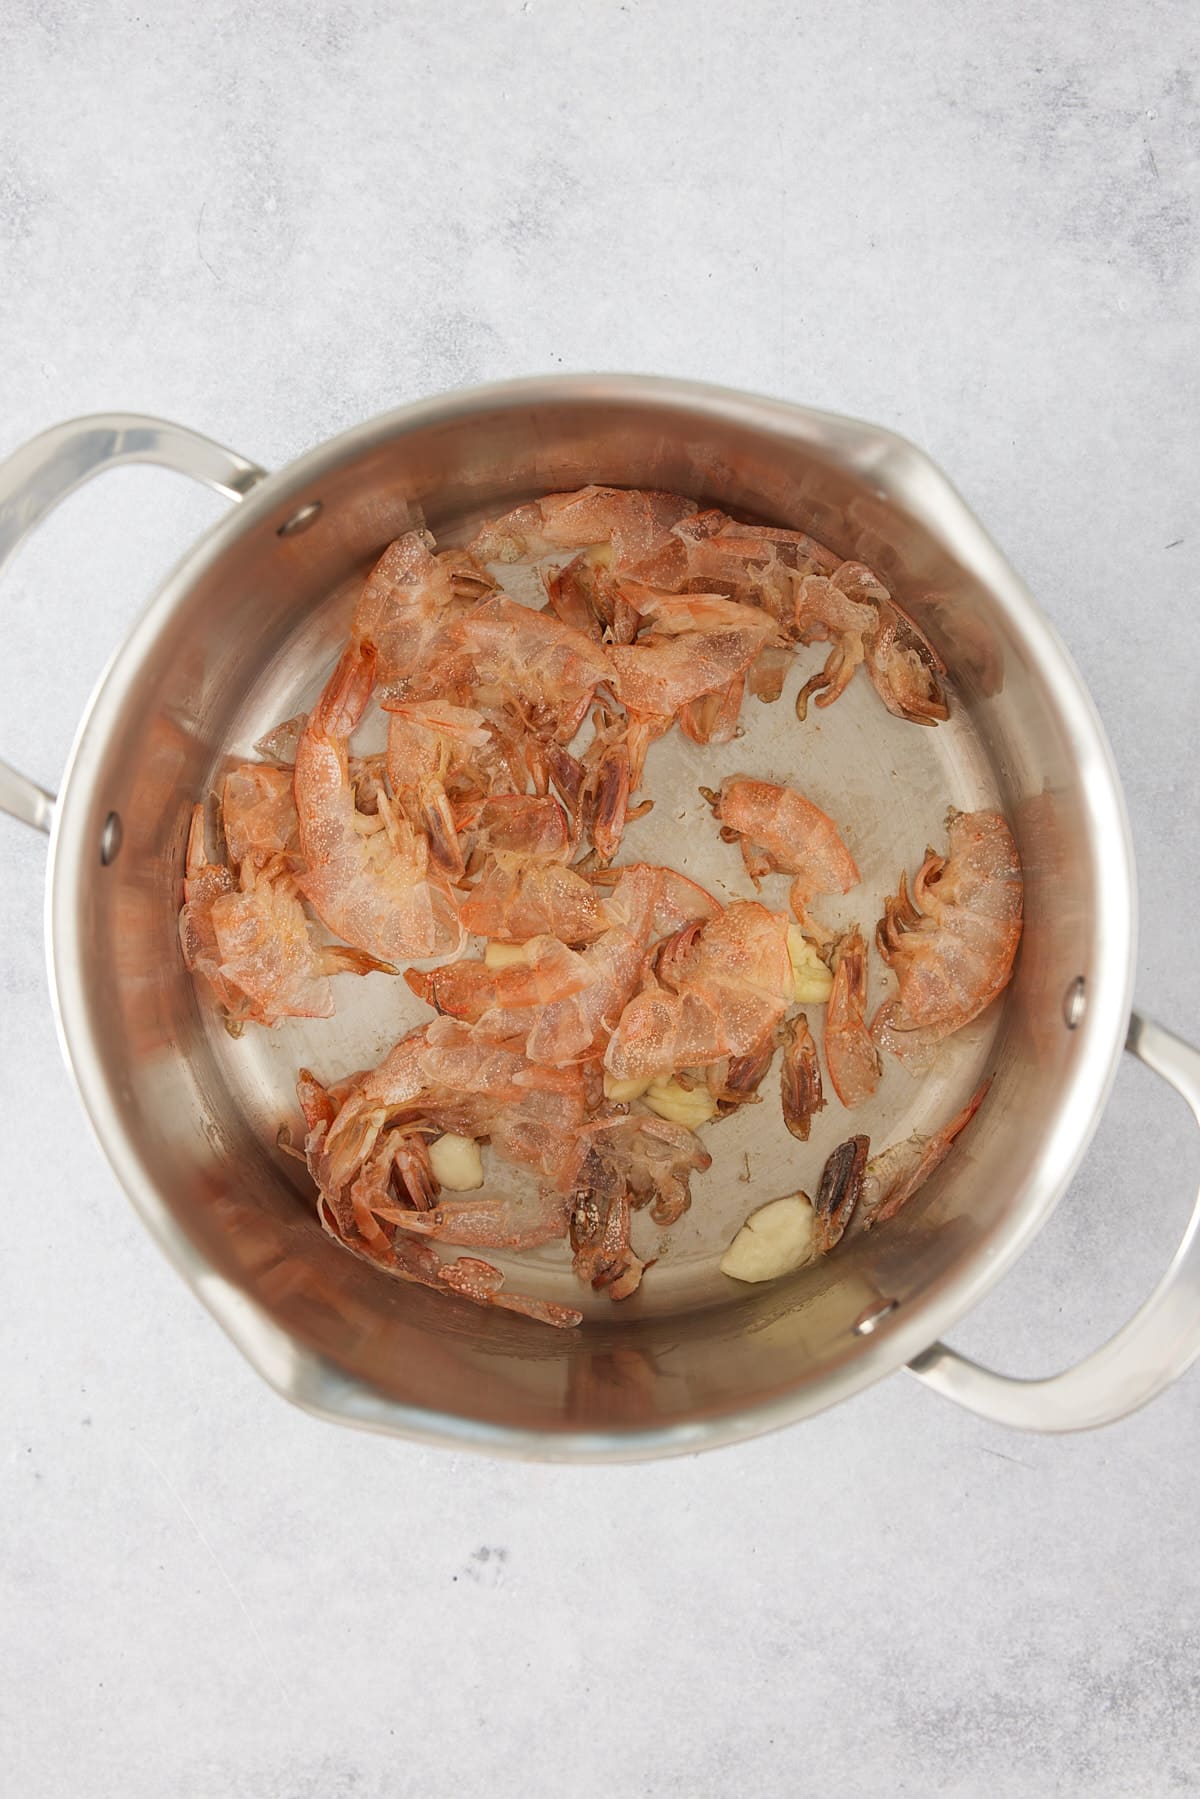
{"points": [[714, 717], [780, 829], [487, 1221], [722, 987], [408, 1259], [952, 944], [550, 670], [635, 522], [839, 1192], [584, 594], [734, 1080], [258, 812], [252, 942], [660, 1031], [600, 1234], [801, 1093], [407, 603], [269, 954], [515, 900], [854, 1066], [481, 1283], [894, 1176], [854, 611], [366, 876]]}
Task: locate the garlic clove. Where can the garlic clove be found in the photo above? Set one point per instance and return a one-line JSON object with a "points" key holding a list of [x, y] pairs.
{"points": [[456, 1162], [692, 1106], [622, 1092], [812, 982], [506, 955], [775, 1240]]}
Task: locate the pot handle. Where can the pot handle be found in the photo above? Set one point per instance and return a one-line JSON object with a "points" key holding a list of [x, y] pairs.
{"points": [[45, 470], [1152, 1350]]}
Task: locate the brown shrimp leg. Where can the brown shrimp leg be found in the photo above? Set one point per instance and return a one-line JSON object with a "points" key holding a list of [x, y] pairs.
{"points": [[899, 915], [829, 683], [413, 1170]]}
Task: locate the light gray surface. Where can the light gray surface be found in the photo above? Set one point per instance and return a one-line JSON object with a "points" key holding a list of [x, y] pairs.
{"points": [[975, 224]]}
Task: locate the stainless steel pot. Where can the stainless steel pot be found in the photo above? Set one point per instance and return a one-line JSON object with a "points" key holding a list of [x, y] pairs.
{"points": [[230, 1212]]}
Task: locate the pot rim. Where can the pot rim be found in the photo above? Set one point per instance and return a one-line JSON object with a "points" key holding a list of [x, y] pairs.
{"points": [[901, 473]]}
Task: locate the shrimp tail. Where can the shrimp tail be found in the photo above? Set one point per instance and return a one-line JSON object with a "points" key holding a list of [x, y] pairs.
{"points": [[316, 1102], [339, 958], [423, 984], [341, 706]]}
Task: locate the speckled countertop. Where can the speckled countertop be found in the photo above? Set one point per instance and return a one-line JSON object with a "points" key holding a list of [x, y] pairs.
{"points": [[976, 224]]}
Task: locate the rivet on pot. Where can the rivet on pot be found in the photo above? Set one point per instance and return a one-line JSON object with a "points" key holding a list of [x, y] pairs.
{"points": [[873, 1316], [110, 839], [1075, 1003], [300, 521]]}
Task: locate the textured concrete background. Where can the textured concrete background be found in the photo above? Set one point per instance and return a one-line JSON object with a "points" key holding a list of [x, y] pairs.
{"points": [[974, 223]]}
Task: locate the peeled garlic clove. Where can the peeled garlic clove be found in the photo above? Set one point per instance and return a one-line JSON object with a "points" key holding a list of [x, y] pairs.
{"points": [[812, 982], [456, 1162], [692, 1106], [773, 1241], [505, 955], [622, 1092]]}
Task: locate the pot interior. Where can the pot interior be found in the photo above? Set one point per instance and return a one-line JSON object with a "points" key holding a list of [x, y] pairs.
{"points": [[243, 637]]}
